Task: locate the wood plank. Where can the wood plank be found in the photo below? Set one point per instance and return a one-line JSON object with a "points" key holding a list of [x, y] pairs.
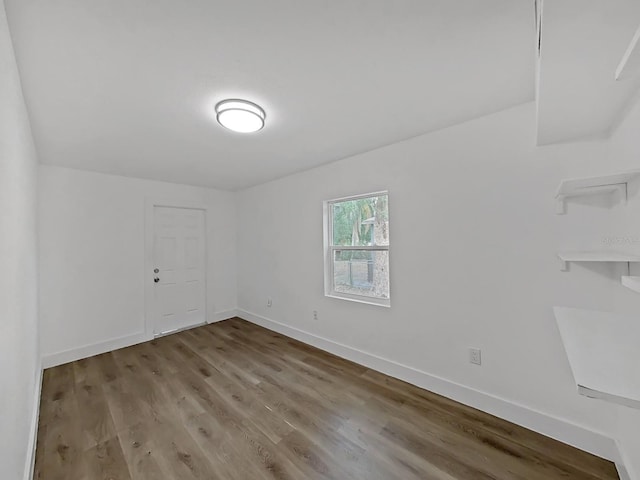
{"points": [[233, 400], [106, 461]]}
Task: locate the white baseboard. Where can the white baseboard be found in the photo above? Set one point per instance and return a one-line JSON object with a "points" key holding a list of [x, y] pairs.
{"points": [[622, 472], [625, 466], [85, 351], [220, 316], [550, 426], [74, 354], [33, 432]]}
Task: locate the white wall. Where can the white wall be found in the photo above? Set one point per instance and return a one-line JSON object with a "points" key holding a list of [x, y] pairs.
{"points": [[625, 155], [92, 229], [19, 359], [474, 238], [474, 241]]}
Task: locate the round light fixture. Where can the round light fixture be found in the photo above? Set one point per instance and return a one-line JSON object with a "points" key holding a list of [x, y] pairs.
{"points": [[240, 115]]}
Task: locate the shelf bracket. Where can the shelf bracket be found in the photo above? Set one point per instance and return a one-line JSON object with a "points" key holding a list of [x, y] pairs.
{"points": [[564, 265], [594, 190]]}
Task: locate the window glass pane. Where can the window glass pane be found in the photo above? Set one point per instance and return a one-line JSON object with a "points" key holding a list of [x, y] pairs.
{"points": [[361, 272], [361, 222]]}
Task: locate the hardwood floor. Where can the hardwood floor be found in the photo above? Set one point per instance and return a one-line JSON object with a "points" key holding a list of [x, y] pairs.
{"points": [[235, 401]]}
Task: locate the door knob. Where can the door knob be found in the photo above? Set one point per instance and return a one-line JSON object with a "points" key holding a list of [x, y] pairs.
{"points": [[156, 280], [155, 270]]}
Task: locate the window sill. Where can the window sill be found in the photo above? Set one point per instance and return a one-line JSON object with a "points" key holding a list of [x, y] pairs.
{"points": [[378, 302]]}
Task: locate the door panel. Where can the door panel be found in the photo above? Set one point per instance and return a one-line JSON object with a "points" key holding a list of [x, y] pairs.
{"points": [[191, 252], [179, 255]]}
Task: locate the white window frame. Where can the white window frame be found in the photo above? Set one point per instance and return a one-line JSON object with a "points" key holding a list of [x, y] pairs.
{"points": [[330, 249]]}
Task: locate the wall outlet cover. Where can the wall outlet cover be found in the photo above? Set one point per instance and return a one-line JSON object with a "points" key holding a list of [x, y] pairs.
{"points": [[475, 356]]}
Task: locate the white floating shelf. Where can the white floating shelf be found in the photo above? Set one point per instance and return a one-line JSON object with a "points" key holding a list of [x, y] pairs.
{"points": [[583, 186], [632, 283], [604, 184], [597, 256], [603, 350], [630, 63]]}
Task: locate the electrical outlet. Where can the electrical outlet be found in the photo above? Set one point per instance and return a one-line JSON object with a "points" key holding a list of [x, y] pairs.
{"points": [[315, 315], [269, 302], [475, 356]]}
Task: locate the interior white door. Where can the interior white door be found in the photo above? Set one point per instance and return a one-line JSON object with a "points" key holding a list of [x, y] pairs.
{"points": [[179, 269]]}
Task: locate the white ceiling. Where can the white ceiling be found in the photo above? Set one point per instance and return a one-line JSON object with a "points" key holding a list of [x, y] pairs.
{"points": [[582, 43], [127, 86]]}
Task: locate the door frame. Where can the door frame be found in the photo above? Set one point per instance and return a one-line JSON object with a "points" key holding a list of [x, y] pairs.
{"points": [[149, 232]]}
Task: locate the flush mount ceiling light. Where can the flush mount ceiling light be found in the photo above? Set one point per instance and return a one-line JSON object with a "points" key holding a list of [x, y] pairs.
{"points": [[240, 115]]}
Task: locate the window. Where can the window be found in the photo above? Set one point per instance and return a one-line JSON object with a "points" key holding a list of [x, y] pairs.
{"points": [[357, 248]]}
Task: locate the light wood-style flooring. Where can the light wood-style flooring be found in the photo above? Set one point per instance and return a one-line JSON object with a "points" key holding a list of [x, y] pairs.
{"points": [[235, 401]]}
